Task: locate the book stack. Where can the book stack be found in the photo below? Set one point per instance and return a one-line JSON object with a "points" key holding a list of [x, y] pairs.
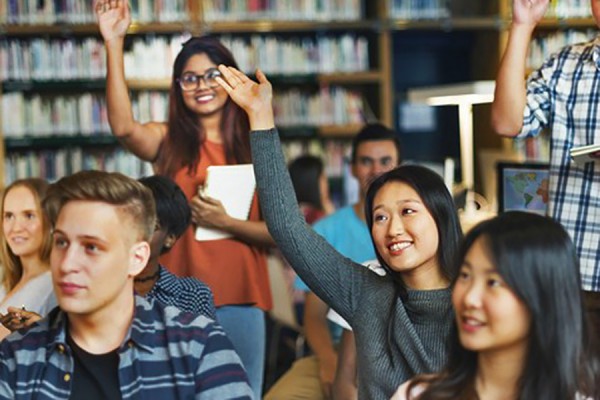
{"points": [[48, 12], [419, 9], [300, 55]]}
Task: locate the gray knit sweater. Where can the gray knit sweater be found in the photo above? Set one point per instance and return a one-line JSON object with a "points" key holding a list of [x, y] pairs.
{"points": [[395, 338]]}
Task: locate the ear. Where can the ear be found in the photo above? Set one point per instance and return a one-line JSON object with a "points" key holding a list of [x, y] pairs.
{"points": [[169, 241], [139, 255]]}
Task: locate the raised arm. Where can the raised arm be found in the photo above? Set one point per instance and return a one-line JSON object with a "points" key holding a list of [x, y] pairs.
{"points": [[510, 96], [143, 140], [334, 278]]}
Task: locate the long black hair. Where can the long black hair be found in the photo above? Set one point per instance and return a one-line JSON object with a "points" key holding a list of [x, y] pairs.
{"points": [[305, 172], [537, 260], [185, 135], [437, 199]]}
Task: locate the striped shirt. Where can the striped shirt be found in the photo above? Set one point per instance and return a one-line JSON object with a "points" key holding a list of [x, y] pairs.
{"points": [[187, 294], [564, 96], [167, 354]]}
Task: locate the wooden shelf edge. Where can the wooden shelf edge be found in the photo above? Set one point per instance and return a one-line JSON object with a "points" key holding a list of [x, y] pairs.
{"points": [[460, 23], [57, 141], [92, 29], [339, 131]]}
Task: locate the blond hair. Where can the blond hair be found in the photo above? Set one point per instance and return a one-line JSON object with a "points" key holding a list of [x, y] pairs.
{"points": [[131, 198], [12, 266]]}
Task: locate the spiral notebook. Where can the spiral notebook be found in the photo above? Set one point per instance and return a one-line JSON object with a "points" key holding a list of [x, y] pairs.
{"points": [[233, 186]]}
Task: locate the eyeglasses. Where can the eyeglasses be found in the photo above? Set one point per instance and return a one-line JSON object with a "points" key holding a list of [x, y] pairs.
{"points": [[190, 81]]}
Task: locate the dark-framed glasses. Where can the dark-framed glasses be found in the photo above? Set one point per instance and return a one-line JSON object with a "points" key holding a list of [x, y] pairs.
{"points": [[189, 81]]}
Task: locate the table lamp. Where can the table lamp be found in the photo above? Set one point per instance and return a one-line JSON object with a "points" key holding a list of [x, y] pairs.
{"points": [[463, 95]]}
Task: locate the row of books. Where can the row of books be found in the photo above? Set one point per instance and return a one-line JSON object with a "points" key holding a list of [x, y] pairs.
{"points": [[152, 57], [48, 12], [86, 113], [309, 10], [543, 46], [332, 105], [419, 9], [322, 54], [54, 164], [56, 59], [569, 9], [80, 114], [535, 148]]}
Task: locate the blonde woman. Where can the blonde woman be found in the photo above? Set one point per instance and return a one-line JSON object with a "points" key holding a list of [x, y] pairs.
{"points": [[25, 253]]}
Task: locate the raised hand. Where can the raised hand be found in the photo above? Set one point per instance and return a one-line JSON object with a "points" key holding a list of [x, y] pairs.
{"points": [[254, 98], [113, 18], [529, 12]]}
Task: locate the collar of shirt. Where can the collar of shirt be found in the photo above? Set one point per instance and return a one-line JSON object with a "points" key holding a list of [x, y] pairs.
{"points": [[140, 334]]}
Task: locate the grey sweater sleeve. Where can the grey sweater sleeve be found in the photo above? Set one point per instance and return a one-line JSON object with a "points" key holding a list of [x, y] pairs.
{"points": [[336, 279]]}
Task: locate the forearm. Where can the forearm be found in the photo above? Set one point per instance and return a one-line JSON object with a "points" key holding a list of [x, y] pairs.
{"points": [[251, 232], [316, 328], [120, 114], [510, 94], [344, 385], [333, 277]]}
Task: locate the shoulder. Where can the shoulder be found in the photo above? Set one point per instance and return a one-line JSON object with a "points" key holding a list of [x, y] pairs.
{"points": [[569, 56], [34, 340], [332, 220], [152, 315], [188, 294]]}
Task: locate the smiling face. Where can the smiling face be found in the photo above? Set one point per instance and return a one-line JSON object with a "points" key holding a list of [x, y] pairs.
{"points": [[406, 236], [205, 100], [490, 317], [93, 263], [23, 224]]}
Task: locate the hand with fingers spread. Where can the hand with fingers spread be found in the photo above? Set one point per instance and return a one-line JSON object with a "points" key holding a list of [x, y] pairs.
{"points": [[114, 18], [254, 98], [529, 12]]}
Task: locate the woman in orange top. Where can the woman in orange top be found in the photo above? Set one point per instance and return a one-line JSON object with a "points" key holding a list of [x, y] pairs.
{"points": [[204, 128]]}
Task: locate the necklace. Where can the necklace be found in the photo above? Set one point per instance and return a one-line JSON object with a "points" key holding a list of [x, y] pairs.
{"points": [[148, 278]]}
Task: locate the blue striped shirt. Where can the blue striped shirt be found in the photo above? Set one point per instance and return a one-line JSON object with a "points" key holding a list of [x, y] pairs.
{"points": [[167, 354], [564, 96], [187, 294]]}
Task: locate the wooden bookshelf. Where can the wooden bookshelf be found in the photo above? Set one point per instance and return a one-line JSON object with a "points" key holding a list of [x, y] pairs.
{"points": [[488, 25]]}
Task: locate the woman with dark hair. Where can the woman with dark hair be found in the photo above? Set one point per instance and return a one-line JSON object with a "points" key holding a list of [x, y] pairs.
{"points": [[204, 127], [521, 328], [402, 321], [26, 291], [311, 187]]}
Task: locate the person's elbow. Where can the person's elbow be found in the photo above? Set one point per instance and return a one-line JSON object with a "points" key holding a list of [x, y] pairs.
{"points": [[505, 126], [121, 130]]}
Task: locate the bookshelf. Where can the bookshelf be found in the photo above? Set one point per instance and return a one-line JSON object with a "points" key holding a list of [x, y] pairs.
{"points": [[383, 47]]}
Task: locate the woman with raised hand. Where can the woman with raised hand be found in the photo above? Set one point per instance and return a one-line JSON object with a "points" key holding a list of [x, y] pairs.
{"points": [[204, 128], [402, 321], [521, 330], [26, 289]]}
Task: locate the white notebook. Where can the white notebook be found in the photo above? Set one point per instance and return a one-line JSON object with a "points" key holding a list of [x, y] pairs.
{"points": [[585, 154], [233, 186]]}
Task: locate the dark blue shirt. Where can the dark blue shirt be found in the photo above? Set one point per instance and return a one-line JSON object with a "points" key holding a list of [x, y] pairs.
{"points": [[167, 354], [187, 294]]}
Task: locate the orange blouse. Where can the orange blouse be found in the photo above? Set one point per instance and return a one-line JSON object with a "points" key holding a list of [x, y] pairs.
{"points": [[234, 270]]}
